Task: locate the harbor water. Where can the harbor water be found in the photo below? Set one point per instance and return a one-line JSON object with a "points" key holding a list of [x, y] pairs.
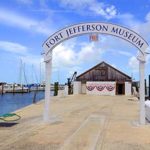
{"points": [[11, 102]]}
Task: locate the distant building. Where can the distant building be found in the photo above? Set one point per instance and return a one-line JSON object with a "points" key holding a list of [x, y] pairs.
{"points": [[2, 87], [103, 79]]}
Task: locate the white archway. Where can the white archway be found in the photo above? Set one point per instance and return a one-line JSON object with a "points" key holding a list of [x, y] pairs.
{"points": [[101, 28]]}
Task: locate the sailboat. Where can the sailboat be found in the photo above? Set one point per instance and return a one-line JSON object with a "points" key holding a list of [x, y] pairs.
{"points": [[17, 88]]}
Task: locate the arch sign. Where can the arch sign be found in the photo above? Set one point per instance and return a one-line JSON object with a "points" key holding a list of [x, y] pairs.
{"points": [[100, 28]]}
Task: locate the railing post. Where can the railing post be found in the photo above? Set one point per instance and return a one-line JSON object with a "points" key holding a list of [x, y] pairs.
{"points": [[48, 68], [142, 92]]}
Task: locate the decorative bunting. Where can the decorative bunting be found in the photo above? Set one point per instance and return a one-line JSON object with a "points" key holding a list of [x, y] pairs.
{"points": [[100, 87], [90, 88], [110, 88]]}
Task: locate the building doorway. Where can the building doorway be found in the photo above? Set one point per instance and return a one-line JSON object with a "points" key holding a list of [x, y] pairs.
{"points": [[83, 88], [120, 88]]}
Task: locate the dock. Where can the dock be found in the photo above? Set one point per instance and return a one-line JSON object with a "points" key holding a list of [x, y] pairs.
{"points": [[85, 122]]}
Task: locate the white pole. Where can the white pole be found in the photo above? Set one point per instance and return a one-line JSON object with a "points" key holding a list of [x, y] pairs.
{"points": [[142, 92], [48, 68]]}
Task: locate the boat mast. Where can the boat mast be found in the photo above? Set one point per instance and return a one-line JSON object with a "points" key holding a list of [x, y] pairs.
{"points": [[20, 73]]}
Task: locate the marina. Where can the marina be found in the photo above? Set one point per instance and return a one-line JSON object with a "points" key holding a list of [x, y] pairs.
{"points": [[11, 102], [17, 88]]}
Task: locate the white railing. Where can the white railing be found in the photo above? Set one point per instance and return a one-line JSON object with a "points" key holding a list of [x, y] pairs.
{"points": [[147, 109]]}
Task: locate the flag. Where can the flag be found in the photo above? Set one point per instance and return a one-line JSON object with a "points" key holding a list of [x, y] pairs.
{"points": [[94, 37]]}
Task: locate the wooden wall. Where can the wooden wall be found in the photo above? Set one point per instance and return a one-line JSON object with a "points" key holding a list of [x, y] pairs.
{"points": [[103, 72]]}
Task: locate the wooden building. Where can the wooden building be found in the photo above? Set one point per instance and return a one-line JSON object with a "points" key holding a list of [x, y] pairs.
{"points": [[103, 79]]}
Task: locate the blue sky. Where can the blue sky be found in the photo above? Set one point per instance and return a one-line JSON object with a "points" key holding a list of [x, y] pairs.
{"points": [[26, 24]]}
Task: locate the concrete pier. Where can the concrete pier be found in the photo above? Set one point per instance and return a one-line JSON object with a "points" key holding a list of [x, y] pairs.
{"points": [[87, 123]]}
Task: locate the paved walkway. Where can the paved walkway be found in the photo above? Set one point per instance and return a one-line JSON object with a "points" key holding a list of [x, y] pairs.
{"points": [[84, 123]]}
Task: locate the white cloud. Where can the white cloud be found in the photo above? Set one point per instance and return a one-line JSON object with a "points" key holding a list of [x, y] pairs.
{"points": [[70, 55], [90, 52], [17, 51], [20, 51], [31, 59], [134, 64], [13, 47], [34, 68], [125, 53], [107, 12], [67, 56], [141, 27], [116, 46], [148, 59], [72, 70], [76, 3], [14, 19], [127, 19], [148, 16], [64, 56], [114, 65], [27, 2], [92, 6]]}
